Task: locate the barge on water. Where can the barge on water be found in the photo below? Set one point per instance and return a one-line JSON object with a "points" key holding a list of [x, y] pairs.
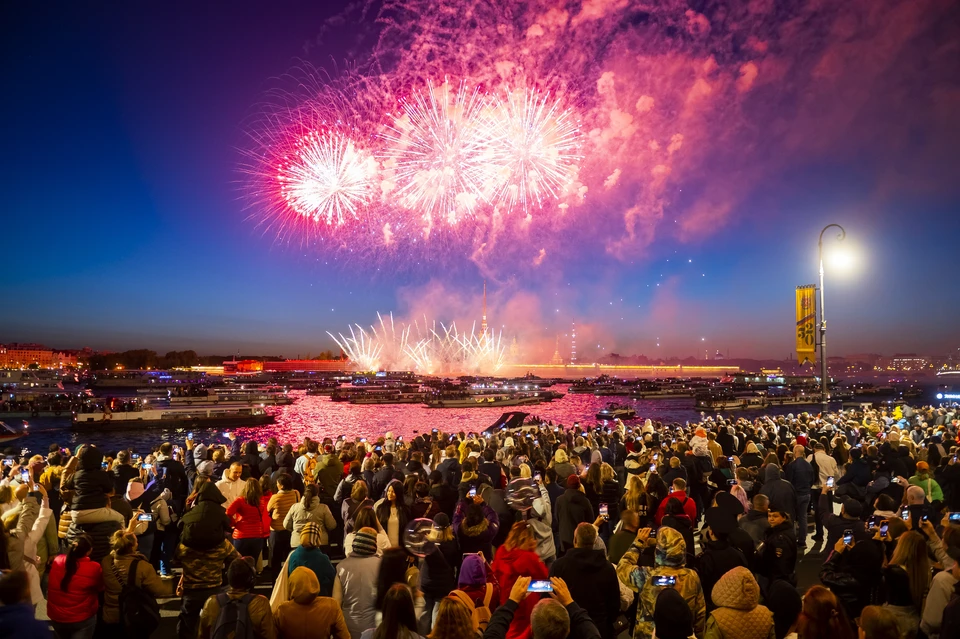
{"points": [[173, 417]]}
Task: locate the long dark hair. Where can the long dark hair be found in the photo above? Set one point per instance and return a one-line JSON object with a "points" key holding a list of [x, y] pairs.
{"points": [[80, 548], [309, 492], [252, 493], [393, 570], [398, 613]]}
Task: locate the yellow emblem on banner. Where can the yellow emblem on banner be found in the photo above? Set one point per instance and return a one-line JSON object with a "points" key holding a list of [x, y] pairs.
{"points": [[806, 323]]}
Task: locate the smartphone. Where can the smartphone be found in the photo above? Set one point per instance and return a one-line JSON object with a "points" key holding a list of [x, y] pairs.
{"points": [[145, 517], [830, 482], [378, 448], [730, 459], [665, 581], [363, 440], [434, 430], [538, 478], [955, 518], [894, 480], [147, 466], [847, 537], [873, 521], [24, 476], [655, 456], [604, 511], [226, 434], [103, 465], [472, 492], [905, 514], [135, 456], [586, 467], [8, 462], [883, 528], [190, 436], [653, 468], [731, 482], [540, 585]]}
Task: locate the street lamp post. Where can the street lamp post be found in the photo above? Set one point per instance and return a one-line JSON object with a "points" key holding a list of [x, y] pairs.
{"points": [[824, 393]]}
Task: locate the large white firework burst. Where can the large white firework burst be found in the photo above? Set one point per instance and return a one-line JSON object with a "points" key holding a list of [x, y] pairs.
{"points": [[329, 178]]}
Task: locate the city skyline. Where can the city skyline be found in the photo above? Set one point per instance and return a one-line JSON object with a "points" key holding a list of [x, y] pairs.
{"points": [[710, 154]]}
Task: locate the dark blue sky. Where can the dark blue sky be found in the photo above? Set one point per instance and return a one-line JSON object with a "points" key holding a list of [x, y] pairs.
{"points": [[124, 223]]}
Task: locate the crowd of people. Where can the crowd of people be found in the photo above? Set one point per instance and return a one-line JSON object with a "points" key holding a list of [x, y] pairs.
{"points": [[663, 531]]}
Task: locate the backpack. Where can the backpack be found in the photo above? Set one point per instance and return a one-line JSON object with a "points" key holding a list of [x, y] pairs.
{"points": [[310, 470], [481, 614], [139, 610], [234, 618]]}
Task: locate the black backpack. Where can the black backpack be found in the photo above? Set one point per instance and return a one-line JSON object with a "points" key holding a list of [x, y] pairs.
{"points": [[234, 618], [139, 610]]}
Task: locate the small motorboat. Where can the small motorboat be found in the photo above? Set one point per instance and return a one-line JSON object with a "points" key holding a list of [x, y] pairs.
{"points": [[616, 411], [9, 433]]}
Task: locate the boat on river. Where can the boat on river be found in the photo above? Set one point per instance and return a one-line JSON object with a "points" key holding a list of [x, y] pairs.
{"points": [[9, 433], [483, 401], [172, 417], [616, 411]]}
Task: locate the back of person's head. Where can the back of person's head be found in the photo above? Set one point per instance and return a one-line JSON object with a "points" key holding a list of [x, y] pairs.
{"points": [[355, 468], [398, 613], [911, 555], [166, 449], [359, 491], [761, 503], [284, 482], [878, 623], [674, 462], [520, 537], [489, 454], [630, 519], [123, 543], [784, 602], [549, 620], [915, 495], [885, 503], [679, 484], [388, 459], [393, 569], [309, 492], [823, 616], [14, 587], [81, 547], [366, 518], [242, 573], [585, 536], [672, 616], [454, 619]]}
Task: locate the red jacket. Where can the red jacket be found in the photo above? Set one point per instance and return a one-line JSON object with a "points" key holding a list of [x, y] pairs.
{"points": [[80, 601], [249, 522], [689, 506], [508, 566]]}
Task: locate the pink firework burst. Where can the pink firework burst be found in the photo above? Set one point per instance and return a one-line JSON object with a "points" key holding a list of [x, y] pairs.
{"points": [[438, 153], [329, 178], [537, 150]]}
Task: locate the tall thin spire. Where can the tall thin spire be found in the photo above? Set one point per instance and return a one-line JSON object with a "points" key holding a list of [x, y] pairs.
{"points": [[483, 321]]}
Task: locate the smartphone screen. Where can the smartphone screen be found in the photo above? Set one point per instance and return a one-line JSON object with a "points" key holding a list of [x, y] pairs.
{"points": [[472, 492], [539, 478], [905, 514], [829, 482], [883, 529], [540, 585], [653, 468], [731, 482], [847, 537], [147, 466], [145, 517], [665, 580], [955, 518], [604, 511]]}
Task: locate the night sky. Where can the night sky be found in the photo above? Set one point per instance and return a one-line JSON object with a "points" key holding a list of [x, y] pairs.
{"points": [[127, 221]]}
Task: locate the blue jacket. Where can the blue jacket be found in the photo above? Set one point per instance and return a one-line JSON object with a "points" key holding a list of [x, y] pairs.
{"points": [[799, 472], [17, 622]]}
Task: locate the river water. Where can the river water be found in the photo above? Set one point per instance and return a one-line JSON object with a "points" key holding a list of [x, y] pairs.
{"points": [[318, 417]]}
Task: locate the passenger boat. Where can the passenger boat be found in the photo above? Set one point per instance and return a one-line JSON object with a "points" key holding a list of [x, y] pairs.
{"points": [[201, 416], [9, 433], [483, 401], [616, 411]]}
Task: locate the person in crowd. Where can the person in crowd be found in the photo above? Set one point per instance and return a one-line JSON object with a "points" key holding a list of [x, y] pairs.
{"points": [[823, 616], [241, 578], [366, 518], [623, 538], [757, 520], [206, 523], [848, 519], [399, 619], [516, 558], [278, 506], [592, 579], [562, 466], [118, 568], [355, 587], [17, 618], [670, 557], [309, 509], [639, 501], [478, 582], [476, 524], [877, 623], [899, 600], [557, 617], [924, 479], [718, 555], [785, 603], [387, 474], [825, 467], [309, 614], [779, 491], [232, 484], [800, 474], [454, 618], [308, 554], [392, 512], [351, 505], [202, 579], [250, 519], [738, 613], [573, 509], [679, 493], [911, 555], [345, 487], [854, 574], [449, 468], [438, 576], [672, 616], [778, 558], [329, 471], [73, 594]]}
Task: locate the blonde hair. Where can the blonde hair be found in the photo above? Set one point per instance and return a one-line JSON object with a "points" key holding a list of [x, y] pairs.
{"points": [[525, 472], [911, 555], [454, 620], [520, 536], [606, 472], [560, 456], [123, 542], [636, 494]]}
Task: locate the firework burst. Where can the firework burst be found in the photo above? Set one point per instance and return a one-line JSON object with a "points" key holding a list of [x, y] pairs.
{"points": [[329, 178], [537, 150], [440, 149]]}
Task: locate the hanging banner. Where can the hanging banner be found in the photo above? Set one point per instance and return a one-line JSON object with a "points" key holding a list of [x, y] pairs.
{"points": [[806, 323]]}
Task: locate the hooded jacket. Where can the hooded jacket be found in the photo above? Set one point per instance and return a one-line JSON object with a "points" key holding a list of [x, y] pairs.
{"points": [[593, 584], [780, 491], [718, 557], [509, 565], [477, 537], [91, 482], [668, 562], [573, 508], [740, 615], [205, 525], [298, 516], [307, 614]]}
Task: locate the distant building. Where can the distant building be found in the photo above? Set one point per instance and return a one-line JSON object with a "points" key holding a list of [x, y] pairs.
{"points": [[233, 367], [316, 365], [25, 355], [908, 362]]}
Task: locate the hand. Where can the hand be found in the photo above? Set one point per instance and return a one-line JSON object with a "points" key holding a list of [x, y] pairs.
{"points": [[599, 521], [903, 481], [231, 436], [560, 591], [188, 444], [643, 534], [840, 546], [927, 526], [478, 500], [519, 591]]}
